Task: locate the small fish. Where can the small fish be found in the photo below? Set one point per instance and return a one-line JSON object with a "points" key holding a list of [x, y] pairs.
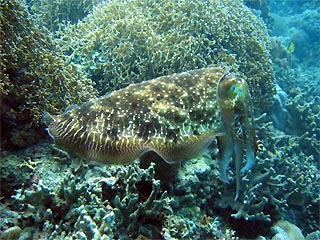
{"points": [[175, 116], [291, 47]]}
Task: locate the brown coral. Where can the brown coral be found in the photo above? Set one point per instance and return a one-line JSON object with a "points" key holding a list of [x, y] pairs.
{"points": [[35, 77], [131, 41]]}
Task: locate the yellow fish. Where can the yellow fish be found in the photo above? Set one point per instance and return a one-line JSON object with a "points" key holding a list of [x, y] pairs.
{"points": [[291, 47]]}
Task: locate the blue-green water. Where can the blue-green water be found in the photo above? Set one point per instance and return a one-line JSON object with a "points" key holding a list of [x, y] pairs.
{"points": [[59, 54]]}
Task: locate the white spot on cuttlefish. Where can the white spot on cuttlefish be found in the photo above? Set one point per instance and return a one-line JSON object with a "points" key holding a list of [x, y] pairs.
{"points": [[170, 116]]}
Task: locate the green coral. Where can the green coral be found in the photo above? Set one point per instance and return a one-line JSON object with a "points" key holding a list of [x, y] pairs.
{"points": [[123, 42], [35, 76]]}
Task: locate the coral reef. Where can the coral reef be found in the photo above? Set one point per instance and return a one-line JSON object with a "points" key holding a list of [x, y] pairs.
{"points": [[280, 54], [117, 203], [300, 28], [51, 13], [127, 44], [143, 206], [300, 105], [280, 114], [50, 194], [10, 181], [286, 230], [292, 184], [25, 162], [262, 8], [92, 201], [99, 201], [35, 77], [81, 201], [304, 32], [288, 6]]}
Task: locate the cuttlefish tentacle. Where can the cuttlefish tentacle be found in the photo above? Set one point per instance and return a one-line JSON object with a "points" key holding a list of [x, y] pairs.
{"points": [[237, 118], [176, 116]]}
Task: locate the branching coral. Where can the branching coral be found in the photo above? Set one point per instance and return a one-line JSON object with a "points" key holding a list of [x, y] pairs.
{"points": [[253, 203], [118, 202], [143, 206], [122, 42], [52, 13], [292, 185]]}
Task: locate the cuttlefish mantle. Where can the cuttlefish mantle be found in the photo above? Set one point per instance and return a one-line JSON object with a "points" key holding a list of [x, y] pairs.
{"points": [[175, 116]]}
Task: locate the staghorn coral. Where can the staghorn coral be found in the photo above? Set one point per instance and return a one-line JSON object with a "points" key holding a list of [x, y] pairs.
{"points": [[293, 152], [97, 227], [82, 204], [35, 76], [302, 106], [292, 183], [192, 192], [142, 207], [81, 201], [283, 183], [92, 202], [122, 42], [180, 227], [252, 205], [305, 118]]}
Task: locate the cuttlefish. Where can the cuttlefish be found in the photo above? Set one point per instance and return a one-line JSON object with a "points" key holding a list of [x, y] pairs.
{"points": [[175, 116]]}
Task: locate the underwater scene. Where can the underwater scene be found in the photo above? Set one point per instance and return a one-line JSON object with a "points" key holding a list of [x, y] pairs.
{"points": [[160, 119]]}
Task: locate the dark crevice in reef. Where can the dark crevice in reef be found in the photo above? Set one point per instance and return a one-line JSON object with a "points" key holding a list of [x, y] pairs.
{"points": [[250, 229]]}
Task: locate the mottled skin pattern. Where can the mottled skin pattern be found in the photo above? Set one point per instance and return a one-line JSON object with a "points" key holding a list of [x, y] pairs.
{"points": [[167, 114], [176, 116]]}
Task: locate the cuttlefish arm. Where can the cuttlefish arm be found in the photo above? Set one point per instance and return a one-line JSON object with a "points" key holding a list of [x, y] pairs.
{"points": [[237, 117]]}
